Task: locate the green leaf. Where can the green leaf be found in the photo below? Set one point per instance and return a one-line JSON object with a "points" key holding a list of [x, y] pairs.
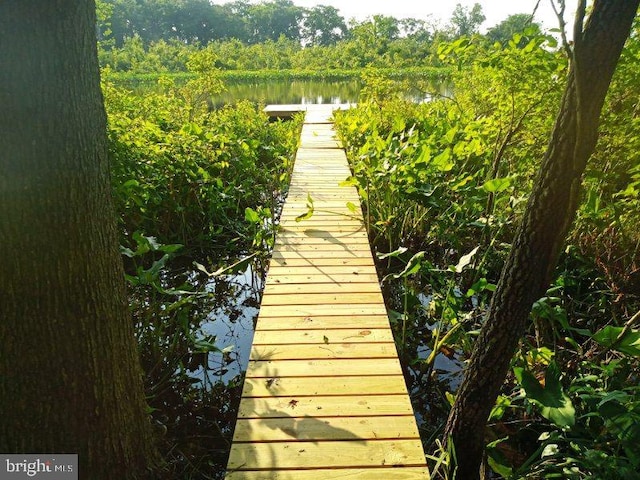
{"points": [[497, 185], [305, 216], [554, 404], [310, 209], [127, 252], [451, 134], [412, 267], [443, 161], [349, 182], [398, 124], [629, 344], [497, 460], [396, 253], [251, 215], [462, 183], [502, 403], [173, 248], [228, 349], [465, 260]]}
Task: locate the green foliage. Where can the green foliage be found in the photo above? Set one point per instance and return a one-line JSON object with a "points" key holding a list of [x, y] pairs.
{"points": [[606, 226], [624, 340], [149, 81], [554, 404], [467, 163], [466, 21], [603, 442], [444, 185], [512, 25], [207, 184], [188, 175], [167, 308]]}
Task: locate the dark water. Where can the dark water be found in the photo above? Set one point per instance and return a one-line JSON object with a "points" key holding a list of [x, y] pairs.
{"points": [[231, 321]]}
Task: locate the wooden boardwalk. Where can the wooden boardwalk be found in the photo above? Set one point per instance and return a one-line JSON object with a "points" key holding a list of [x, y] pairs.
{"points": [[324, 396]]}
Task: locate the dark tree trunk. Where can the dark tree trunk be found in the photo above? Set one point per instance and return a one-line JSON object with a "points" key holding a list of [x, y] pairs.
{"points": [[549, 214], [70, 377]]}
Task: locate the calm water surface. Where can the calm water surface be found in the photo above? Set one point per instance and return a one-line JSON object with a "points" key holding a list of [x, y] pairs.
{"points": [[292, 92]]}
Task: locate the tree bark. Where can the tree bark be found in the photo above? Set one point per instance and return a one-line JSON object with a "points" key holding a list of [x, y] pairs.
{"points": [[550, 211], [70, 376]]}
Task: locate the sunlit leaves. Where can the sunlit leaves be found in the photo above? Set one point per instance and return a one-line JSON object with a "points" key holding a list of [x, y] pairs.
{"points": [[496, 185], [548, 395], [465, 260]]}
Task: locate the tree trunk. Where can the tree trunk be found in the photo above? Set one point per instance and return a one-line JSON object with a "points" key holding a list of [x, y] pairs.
{"points": [[70, 377], [539, 239]]}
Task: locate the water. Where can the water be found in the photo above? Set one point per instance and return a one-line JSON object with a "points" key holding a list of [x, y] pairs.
{"points": [[279, 92], [286, 92], [231, 322]]}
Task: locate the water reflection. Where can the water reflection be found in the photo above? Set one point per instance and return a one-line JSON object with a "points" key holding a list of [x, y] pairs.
{"points": [[306, 92], [414, 333], [231, 322], [276, 92]]}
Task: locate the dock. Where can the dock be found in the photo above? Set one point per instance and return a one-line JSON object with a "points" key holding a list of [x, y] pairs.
{"points": [[324, 395]]}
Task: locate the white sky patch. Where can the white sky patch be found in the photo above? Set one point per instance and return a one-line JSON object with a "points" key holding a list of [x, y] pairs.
{"points": [[439, 11]]}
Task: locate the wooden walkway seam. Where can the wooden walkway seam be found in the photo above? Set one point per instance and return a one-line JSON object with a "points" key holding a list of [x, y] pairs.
{"points": [[324, 395]]}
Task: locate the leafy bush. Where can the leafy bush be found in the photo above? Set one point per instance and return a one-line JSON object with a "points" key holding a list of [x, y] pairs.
{"points": [[444, 185], [187, 175]]}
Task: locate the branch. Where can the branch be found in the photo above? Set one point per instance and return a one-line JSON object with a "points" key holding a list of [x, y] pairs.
{"points": [[563, 27]]}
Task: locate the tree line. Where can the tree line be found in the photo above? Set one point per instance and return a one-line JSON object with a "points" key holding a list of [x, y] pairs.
{"points": [[201, 22], [157, 36]]}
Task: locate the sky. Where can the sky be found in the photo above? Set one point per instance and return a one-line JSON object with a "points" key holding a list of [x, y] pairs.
{"points": [[440, 10]]}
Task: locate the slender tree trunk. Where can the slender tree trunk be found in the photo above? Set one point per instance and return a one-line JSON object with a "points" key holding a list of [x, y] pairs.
{"points": [[70, 377], [549, 214]]}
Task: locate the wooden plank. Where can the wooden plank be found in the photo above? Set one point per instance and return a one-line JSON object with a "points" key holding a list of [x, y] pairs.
{"points": [[323, 245], [322, 226], [322, 406], [309, 234], [321, 310], [279, 288], [382, 473], [322, 211], [347, 242], [291, 276], [322, 298], [301, 228], [296, 368], [329, 267], [251, 456], [334, 215], [311, 254], [321, 203], [301, 337], [324, 396], [325, 266], [328, 219], [323, 321], [322, 429], [322, 351], [311, 386], [303, 193]]}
